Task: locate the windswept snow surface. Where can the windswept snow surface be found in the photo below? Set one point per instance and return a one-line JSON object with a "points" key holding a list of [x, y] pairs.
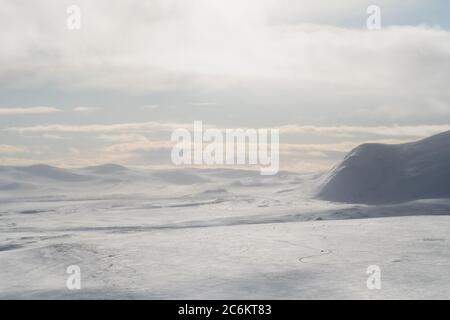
{"points": [[218, 233]]}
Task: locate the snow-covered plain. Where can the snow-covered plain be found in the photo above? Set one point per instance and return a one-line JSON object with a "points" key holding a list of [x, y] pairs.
{"points": [[210, 234]]}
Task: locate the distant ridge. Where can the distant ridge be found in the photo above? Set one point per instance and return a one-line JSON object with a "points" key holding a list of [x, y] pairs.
{"points": [[106, 168], [50, 172], [381, 174]]}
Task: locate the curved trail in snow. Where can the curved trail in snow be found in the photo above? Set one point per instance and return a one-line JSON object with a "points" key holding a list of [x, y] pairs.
{"points": [[321, 254]]}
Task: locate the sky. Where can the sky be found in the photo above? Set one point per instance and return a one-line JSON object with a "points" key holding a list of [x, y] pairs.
{"points": [[113, 91]]}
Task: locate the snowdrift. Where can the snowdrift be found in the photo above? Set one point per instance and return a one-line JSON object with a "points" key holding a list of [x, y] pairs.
{"points": [[383, 174]]}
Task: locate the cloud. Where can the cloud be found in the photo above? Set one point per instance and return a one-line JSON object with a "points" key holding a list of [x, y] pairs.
{"points": [[4, 148], [137, 146], [320, 148], [52, 136], [151, 107], [127, 128], [10, 149], [215, 46], [24, 111], [122, 137], [418, 131], [73, 151], [131, 140], [267, 62], [284, 56], [126, 131], [86, 109], [203, 104]]}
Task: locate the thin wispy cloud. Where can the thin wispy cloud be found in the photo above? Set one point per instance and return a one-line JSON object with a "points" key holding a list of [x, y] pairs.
{"points": [[151, 126], [151, 107], [417, 131], [86, 109], [203, 104], [25, 111], [121, 137], [12, 149], [51, 136], [125, 130]]}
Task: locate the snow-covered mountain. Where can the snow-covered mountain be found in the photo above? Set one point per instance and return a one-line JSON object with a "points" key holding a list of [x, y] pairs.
{"points": [[379, 173]]}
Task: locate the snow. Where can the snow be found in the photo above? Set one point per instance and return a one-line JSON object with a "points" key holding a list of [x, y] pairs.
{"points": [[210, 234], [381, 174]]}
